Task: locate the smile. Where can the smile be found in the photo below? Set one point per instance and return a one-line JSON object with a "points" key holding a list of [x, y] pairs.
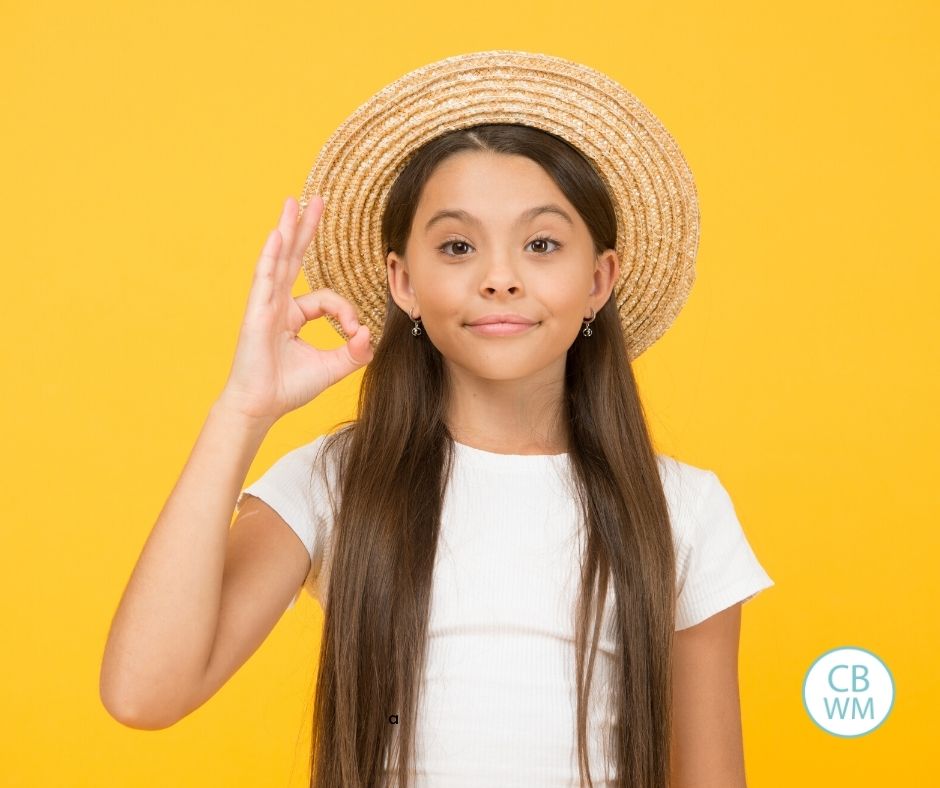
{"points": [[502, 329]]}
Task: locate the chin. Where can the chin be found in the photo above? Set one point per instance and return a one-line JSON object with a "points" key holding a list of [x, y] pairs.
{"points": [[499, 367]]}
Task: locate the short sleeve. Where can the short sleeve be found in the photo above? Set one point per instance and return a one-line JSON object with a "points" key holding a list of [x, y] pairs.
{"points": [[716, 565], [295, 487]]}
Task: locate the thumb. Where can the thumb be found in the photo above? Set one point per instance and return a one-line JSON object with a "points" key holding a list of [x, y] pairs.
{"points": [[357, 352]]}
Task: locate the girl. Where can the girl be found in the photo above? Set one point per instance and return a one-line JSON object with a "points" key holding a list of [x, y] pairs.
{"points": [[518, 589]]}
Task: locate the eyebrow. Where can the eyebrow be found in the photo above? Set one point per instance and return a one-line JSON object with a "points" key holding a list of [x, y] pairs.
{"points": [[525, 216]]}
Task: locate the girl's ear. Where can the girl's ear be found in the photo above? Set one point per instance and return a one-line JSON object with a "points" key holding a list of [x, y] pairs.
{"points": [[606, 273], [399, 280]]}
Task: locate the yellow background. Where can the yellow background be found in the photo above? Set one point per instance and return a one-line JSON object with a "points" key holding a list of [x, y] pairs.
{"points": [[147, 150]]}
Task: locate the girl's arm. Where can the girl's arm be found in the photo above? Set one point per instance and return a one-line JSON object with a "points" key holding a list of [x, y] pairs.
{"points": [[202, 598], [163, 646], [708, 751]]}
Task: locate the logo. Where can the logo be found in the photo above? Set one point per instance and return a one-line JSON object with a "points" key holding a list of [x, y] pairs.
{"points": [[848, 691]]}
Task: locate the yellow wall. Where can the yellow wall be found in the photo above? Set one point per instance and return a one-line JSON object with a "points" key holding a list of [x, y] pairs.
{"points": [[147, 150]]}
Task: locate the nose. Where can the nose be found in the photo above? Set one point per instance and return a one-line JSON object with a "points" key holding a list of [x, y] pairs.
{"points": [[500, 274]]}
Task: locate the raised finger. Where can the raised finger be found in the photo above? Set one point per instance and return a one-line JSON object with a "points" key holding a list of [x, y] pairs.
{"points": [[263, 286], [310, 218], [287, 226]]}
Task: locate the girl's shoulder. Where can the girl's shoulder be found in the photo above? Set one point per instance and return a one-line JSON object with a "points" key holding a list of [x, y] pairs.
{"points": [[681, 479], [687, 489], [319, 455], [715, 564]]}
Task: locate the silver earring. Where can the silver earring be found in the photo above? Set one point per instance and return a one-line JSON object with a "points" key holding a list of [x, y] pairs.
{"points": [[587, 328], [417, 329]]}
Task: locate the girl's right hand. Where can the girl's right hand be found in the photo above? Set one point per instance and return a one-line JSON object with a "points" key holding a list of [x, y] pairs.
{"points": [[274, 371]]}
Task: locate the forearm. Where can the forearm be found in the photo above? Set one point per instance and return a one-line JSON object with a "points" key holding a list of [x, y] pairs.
{"points": [[162, 634]]}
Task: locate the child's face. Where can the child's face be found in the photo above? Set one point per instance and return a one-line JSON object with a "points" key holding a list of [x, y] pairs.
{"points": [[456, 270]]}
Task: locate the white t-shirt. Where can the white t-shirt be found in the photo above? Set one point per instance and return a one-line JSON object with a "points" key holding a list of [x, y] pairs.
{"points": [[499, 703]]}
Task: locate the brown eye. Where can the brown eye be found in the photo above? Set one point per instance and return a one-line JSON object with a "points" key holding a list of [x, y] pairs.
{"points": [[454, 242], [545, 239]]}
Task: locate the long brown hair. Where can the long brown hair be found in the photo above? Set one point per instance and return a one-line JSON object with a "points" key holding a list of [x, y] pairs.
{"points": [[385, 536]]}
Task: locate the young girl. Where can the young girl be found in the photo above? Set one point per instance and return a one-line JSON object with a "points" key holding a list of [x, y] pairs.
{"points": [[518, 589]]}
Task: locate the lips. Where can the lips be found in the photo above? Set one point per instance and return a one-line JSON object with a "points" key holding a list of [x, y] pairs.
{"points": [[509, 317], [501, 329]]}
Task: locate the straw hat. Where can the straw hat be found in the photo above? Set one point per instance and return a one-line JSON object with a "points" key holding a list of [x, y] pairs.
{"points": [[649, 181]]}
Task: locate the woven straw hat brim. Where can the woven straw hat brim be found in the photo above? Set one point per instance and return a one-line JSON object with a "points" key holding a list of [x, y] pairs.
{"points": [[648, 178]]}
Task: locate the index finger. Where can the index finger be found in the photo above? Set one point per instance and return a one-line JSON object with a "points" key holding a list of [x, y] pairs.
{"points": [[328, 302]]}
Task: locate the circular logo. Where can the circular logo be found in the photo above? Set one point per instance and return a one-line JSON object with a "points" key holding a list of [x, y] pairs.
{"points": [[848, 691]]}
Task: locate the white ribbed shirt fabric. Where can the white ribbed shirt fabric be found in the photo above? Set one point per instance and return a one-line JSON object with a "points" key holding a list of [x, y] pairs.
{"points": [[499, 704]]}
